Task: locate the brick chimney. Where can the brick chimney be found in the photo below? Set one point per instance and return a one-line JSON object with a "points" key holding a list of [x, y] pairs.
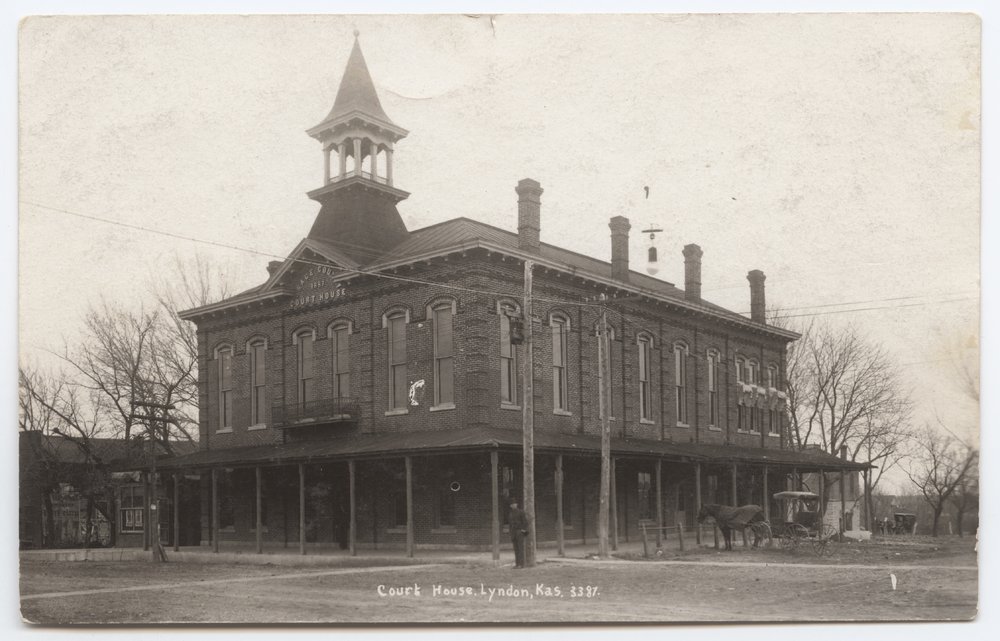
{"points": [[619, 247], [692, 272], [529, 214], [756, 278]]}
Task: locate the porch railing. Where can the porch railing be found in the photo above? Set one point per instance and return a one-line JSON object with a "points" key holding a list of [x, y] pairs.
{"points": [[327, 410]]}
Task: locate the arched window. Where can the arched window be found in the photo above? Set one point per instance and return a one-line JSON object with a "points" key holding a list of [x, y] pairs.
{"points": [[224, 359], [560, 387], [755, 412], [305, 340], [257, 349], [339, 334], [395, 322], [645, 346], [680, 383], [442, 323], [508, 353], [712, 360], [773, 418]]}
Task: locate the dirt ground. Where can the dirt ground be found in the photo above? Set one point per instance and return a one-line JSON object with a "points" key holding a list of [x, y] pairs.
{"points": [[935, 580]]}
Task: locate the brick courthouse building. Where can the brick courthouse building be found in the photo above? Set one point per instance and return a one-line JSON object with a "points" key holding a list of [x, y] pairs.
{"points": [[368, 395]]}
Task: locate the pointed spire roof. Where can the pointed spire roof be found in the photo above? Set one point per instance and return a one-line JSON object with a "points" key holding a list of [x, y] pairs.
{"points": [[357, 91]]}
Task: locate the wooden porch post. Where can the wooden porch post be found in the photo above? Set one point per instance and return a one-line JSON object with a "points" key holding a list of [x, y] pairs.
{"points": [[177, 513], [146, 526], [697, 500], [659, 503], [822, 497], [495, 516], [352, 534], [215, 510], [302, 508], [843, 503], [767, 498], [409, 506], [613, 506], [260, 521], [559, 505], [734, 496]]}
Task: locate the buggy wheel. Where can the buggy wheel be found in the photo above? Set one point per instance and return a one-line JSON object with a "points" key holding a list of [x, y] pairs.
{"points": [[821, 545]]}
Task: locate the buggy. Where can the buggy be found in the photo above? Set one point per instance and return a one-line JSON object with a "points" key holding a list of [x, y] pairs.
{"points": [[803, 522]]}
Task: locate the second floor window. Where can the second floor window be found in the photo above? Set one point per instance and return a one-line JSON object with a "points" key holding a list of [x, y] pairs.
{"points": [[225, 358], [680, 383], [645, 400], [444, 378], [508, 364], [306, 385], [773, 419], [560, 390], [340, 348], [713, 389], [396, 325], [257, 381]]}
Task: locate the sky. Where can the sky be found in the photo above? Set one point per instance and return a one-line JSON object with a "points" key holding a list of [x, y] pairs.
{"points": [[837, 153]]}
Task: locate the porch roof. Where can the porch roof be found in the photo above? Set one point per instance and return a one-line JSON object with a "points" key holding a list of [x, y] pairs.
{"points": [[487, 438], [809, 459]]}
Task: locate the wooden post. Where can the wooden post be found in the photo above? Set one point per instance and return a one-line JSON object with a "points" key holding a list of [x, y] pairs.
{"points": [[715, 536], [409, 506], [659, 503], [559, 506], [177, 513], [495, 516], [734, 497], [604, 409], [259, 519], [302, 508], [697, 500], [528, 418], [147, 535], [215, 510], [645, 543], [352, 531], [680, 536], [767, 498], [613, 507], [822, 498], [843, 503]]}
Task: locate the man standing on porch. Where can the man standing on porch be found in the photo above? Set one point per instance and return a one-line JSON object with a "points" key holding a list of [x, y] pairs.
{"points": [[518, 529]]}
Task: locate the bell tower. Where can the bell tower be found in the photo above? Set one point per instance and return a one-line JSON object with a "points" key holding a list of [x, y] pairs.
{"points": [[358, 200]]}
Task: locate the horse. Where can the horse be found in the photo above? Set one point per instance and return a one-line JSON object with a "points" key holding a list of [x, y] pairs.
{"points": [[733, 518]]}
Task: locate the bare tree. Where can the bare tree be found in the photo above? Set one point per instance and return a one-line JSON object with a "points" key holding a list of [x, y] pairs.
{"points": [[185, 284], [845, 391], [966, 498], [56, 408], [940, 465]]}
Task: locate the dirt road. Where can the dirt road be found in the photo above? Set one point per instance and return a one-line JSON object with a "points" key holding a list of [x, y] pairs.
{"points": [[719, 587]]}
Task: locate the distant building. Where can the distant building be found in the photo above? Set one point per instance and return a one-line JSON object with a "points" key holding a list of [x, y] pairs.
{"points": [[369, 392]]}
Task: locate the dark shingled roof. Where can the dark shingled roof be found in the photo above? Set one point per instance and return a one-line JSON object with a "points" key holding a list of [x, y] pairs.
{"points": [[480, 438], [114, 452], [357, 91]]}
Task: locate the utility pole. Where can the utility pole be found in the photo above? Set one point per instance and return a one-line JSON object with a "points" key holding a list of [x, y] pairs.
{"points": [[528, 418], [604, 407], [154, 519]]}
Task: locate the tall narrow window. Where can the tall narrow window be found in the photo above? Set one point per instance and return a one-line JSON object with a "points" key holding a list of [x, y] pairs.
{"points": [[559, 384], [444, 380], [645, 402], [741, 409], [772, 413], [340, 335], [257, 381], [713, 389], [755, 413], [508, 364], [397, 360], [306, 386], [225, 358], [680, 383]]}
